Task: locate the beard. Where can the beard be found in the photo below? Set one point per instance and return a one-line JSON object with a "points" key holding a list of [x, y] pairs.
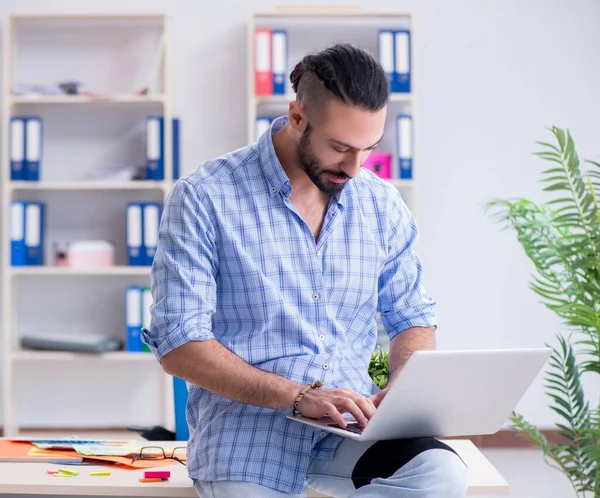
{"points": [[314, 169]]}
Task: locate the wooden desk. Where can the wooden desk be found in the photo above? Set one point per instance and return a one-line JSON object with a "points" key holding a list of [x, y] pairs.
{"points": [[31, 479]]}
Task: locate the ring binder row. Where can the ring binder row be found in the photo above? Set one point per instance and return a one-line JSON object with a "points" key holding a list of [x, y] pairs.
{"points": [[138, 300], [26, 148], [271, 60], [27, 232], [394, 47]]}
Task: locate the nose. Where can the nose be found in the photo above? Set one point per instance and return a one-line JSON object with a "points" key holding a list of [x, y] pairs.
{"points": [[352, 163]]}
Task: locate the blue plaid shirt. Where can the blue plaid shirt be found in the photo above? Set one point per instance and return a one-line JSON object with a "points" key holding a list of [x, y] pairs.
{"points": [[235, 262]]}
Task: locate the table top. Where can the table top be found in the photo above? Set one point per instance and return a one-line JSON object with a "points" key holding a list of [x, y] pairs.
{"points": [[32, 478]]}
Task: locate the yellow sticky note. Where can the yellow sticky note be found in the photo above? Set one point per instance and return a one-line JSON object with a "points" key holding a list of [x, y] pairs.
{"points": [[68, 472], [99, 473]]}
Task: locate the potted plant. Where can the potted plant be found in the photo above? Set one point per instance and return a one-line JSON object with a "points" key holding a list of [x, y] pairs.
{"points": [[561, 237]]}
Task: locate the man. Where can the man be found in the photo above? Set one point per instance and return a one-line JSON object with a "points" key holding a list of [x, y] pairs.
{"points": [[271, 265]]}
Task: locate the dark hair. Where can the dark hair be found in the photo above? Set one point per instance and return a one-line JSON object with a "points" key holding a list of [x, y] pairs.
{"points": [[348, 72]]}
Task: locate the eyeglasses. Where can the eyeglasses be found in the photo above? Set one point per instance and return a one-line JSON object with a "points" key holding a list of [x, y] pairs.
{"points": [[159, 453]]}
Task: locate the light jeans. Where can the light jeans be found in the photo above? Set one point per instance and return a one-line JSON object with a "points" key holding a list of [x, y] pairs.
{"points": [[435, 473]]}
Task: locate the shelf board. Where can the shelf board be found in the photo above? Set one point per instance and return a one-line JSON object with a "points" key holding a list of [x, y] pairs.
{"points": [[61, 356], [60, 271], [84, 99], [396, 182], [284, 99], [89, 185], [87, 16], [295, 11]]}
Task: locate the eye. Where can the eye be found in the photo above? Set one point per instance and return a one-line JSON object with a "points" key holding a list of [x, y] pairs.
{"points": [[340, 150]]}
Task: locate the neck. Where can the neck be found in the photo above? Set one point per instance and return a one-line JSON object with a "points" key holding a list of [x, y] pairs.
{"points": [[284, 144]]}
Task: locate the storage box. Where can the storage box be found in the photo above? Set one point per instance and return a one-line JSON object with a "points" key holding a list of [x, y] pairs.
{"points": [[91, 254], [380, 164]]}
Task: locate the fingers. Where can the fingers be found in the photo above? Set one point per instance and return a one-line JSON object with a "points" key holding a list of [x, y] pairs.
{"points": [[354, 409], [334, 414], [366, 405]]}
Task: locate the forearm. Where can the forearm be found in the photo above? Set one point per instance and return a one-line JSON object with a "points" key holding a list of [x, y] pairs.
{"points": [[213, 367], [404, 344]]}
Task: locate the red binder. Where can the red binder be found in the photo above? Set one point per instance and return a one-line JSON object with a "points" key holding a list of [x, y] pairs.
{"points": [[263, 67]]}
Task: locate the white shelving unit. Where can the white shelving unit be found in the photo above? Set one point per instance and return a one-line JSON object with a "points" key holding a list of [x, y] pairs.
{"points": [[310, 30], [60, 186]]}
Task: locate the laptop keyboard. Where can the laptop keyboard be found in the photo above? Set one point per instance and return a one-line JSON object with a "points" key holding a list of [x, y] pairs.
{"points": [[352, 427]]}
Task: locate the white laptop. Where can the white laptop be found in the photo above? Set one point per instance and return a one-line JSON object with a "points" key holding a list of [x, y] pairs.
{"points": [[447, 394]]}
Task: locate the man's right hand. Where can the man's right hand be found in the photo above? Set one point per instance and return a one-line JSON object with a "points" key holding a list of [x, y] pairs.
{"points": [[317, 403]]}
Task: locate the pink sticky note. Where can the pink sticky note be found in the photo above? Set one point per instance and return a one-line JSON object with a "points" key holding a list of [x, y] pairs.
{"points": [[52, 471], [162, 474]]}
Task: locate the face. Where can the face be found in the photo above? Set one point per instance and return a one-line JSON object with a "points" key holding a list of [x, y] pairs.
{"points": [[332, 151]]}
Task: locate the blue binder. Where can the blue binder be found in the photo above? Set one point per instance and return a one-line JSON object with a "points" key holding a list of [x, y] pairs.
{"points": [[135, 249], [279, 51], [17, 233], [176, 171], [155, 146], [33, 148], [386, 41], [17, 148], [133, 318], [150, 224], [180, 397], [34, 233], [401, 82], [404, 145]]}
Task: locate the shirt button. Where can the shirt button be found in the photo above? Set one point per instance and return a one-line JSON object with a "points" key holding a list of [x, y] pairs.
{"points": [[322, 337], [323, 434], [315, 296], [326, 366], [273, 189]]}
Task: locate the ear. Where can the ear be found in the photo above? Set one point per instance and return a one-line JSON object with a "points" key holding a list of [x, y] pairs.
{"points": [[297, 117]]}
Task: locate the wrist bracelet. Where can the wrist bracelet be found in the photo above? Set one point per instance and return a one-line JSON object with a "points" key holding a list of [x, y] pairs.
{"points": [[308, 387]]}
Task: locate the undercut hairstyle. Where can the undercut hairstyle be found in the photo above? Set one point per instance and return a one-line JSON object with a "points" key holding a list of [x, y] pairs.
{"points": [[343, 71]]}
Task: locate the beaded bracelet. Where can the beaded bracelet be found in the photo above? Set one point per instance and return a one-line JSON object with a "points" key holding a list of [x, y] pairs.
{"points": [[308, 387]]}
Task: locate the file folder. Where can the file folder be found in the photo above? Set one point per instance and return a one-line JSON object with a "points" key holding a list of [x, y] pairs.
{"points": [[133, 318], [176, 171], [404, 145], [135, 256], [33, 148], [386, 54], [17, 148], [280, 57], [150, 225], [263, 71], [17, 233], [402, 80], [34, 233], [155, 148], [147, 302]]}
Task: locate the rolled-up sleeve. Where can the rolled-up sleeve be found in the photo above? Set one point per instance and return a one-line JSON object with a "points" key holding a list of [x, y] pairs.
{"points": [[183, 273], [403, 301]]}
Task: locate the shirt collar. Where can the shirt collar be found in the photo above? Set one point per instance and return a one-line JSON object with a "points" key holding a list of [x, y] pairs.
{"points": [[274, 173]]}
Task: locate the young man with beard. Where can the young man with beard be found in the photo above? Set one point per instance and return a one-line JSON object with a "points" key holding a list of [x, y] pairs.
{"points": [[271, 265]]}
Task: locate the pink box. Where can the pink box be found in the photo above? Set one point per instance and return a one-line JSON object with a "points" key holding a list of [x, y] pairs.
{"points": [[91, 254], [380, 164], [162, 474]]}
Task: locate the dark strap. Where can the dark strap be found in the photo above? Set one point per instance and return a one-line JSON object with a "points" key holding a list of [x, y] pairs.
{"points": [[384, 458]]}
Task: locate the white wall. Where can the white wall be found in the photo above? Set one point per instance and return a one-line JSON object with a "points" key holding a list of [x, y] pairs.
{"points": [[490, 77]]}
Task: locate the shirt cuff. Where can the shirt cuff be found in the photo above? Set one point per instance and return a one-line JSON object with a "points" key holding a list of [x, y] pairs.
{"points": [[396, 323], [194, 329]]}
